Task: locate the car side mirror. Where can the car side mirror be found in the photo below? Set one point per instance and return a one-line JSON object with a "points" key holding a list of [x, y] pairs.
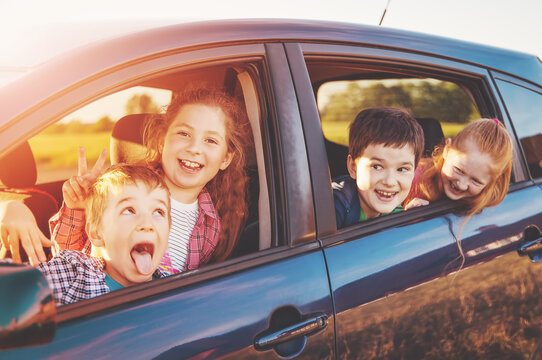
{"points": [[27, 307]]}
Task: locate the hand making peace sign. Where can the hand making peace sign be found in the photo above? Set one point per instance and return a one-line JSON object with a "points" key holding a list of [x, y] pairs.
{"points": [[75, 188]]}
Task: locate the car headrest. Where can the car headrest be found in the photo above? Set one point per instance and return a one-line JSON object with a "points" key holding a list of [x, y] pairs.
{"points": [[18, 167], [432, 133], [127, 139]]}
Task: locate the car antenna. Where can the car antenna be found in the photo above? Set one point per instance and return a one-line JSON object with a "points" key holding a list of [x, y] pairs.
{"points": [[384, 13]]}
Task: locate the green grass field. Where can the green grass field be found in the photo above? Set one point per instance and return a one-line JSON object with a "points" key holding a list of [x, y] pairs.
{"points": [[60, 150], [338, 131]]}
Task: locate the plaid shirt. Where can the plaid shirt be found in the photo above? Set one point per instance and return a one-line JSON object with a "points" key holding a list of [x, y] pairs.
{"points": [[68, 233], [75, 276]]}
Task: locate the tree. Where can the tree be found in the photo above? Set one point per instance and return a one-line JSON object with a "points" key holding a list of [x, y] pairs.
{"points": [[141, 103], [104, 124]]}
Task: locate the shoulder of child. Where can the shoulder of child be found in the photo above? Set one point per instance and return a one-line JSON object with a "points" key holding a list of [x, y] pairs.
{"points": [[69, 263], [74, 276]]}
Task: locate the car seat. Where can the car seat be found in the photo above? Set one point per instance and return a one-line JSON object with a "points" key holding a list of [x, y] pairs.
{"points": [[126, 145], [18, 174]]}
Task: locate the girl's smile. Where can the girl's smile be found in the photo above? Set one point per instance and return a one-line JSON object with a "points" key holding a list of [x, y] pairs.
{"points": [[195, 149], [465, 173]]}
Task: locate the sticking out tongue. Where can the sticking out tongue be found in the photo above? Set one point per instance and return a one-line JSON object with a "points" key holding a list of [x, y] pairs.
{"points": [[142, 260]]}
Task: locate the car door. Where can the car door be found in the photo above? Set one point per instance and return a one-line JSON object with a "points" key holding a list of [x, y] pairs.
{"points": [[427, 283], [271, 303]]}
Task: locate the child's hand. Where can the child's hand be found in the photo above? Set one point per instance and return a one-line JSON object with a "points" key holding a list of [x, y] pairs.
{"points": [[74, 190], [18, 226], [415, 203]]}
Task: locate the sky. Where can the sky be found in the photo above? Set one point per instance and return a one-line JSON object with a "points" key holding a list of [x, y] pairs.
{"points": [[31, 31]]}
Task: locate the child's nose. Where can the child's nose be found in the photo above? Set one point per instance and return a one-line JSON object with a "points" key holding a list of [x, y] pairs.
{"points": [[462, 184], [145, 223], [194, 146], [390, 178]]}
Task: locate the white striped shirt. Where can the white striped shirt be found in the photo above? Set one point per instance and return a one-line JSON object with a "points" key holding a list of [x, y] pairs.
{"points": [[183, 220]]}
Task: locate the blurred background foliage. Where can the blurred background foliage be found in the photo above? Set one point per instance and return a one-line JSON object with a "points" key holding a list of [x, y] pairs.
{"points": [[444, 101]]}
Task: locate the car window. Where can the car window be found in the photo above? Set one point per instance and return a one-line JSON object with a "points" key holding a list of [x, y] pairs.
{"points": [[524, 105], [109, 122], [443, 104]]}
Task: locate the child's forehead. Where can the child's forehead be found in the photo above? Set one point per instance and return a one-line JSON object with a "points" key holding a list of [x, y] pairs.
{"points": [[383, 148], [137, 189]]}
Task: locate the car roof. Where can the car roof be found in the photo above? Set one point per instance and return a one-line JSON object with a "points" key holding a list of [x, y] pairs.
{"points": [[78, 64]]}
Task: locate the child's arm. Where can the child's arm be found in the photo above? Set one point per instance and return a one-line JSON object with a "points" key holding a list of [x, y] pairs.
{"points": [[68, 229], [415, 203]]}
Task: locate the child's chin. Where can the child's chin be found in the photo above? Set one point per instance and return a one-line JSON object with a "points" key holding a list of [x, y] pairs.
{"points": [[387, 208]]}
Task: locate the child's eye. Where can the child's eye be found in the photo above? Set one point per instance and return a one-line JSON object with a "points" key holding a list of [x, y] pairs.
{"points": [[458, 170], [377, 167], [404, 169], [128, 211], [160, 212], [183, 133], [211, 141]]}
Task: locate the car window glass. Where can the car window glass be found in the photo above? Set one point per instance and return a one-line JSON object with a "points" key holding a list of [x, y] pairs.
{"points": [[524, 106]]}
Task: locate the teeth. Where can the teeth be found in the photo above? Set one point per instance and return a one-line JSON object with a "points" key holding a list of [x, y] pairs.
{"points": [[386, 193], [190, 164]]}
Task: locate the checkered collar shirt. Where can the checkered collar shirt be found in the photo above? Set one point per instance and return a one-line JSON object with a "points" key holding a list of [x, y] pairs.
{"points": [[75, 276], [68, 233]]}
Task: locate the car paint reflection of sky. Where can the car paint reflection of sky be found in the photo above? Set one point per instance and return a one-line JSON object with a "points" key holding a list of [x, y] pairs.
{"points": [[233, 306], [24, 302], [360, 258]]}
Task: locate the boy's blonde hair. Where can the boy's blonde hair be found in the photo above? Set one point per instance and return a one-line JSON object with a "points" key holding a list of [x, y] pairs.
{"points": [[116, 177]]}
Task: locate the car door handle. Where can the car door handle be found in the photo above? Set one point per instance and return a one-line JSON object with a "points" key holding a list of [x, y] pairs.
{"points": [[303, 328]]}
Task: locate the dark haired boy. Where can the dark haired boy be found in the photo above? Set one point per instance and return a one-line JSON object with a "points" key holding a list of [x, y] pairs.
{"points": [[385, 145]]}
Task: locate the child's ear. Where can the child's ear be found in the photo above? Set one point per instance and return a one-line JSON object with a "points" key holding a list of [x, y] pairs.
{"points": [[94, 235], [227, 160], [352, 166]]}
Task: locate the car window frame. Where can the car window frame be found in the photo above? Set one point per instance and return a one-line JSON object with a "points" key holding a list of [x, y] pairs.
{"points": [[484, 94], [84, 91]]}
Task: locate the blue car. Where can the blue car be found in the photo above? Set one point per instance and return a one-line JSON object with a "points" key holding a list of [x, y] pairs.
{"points": [[296, 286]]}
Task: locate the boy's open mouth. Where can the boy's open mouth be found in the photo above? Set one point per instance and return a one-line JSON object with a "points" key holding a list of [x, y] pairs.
{"points": [[385, 195], [142, 257], [190, 165]]}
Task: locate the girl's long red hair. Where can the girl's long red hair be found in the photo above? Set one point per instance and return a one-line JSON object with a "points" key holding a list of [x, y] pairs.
{"points": [[228, 189], [491, 138]]}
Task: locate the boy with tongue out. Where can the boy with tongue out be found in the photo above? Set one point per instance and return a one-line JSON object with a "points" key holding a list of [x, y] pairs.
{"points": [[128, 222], [384, 145]]}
